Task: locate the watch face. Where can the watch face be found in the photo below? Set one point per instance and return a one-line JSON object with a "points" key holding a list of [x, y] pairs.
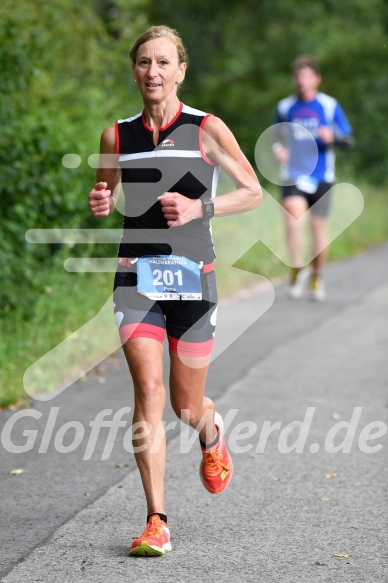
{"points": [[208, 209]]}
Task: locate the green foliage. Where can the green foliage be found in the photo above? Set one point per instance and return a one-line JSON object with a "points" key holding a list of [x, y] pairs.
{"points": [[60, 86], [240, 55], [65, 75]]}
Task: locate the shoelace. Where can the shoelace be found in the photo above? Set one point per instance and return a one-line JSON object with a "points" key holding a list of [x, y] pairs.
{"points": [[153, 528], [212, 462]]}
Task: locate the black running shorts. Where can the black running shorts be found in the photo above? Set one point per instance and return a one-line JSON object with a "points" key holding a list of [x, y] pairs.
{"points": [[190, 324], [319, 202]]}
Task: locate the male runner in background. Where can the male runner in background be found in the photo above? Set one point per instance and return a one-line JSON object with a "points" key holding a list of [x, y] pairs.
{"points": [[307, 169]]}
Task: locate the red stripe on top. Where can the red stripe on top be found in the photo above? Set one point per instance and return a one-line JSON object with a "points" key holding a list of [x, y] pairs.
{"points": [[201, 140], [191, 348], [141, 330], [208, 267], [147, 127], [117, 138]]}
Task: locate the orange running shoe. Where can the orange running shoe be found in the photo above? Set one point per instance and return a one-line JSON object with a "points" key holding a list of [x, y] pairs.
{"points": [[154, 541], [216, 467]]}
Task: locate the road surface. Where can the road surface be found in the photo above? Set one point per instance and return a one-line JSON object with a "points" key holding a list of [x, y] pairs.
{"points": [[303, 392]]}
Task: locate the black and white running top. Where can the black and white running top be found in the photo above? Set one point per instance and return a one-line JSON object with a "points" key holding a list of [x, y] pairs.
{"points": [[177, 164]]}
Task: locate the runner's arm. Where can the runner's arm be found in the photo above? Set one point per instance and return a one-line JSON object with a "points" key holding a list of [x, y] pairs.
{"points": [[103, 197], [221, 147]]}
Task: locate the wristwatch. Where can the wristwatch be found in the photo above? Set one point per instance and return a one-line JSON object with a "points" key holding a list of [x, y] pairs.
{"points": [[207, 208]]}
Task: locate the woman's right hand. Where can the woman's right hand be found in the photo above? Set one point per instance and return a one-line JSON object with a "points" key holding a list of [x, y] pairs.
{"points": [[99, 200]]}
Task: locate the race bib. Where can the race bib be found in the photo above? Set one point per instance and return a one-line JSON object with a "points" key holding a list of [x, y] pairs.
{"points": [[169, 277]]}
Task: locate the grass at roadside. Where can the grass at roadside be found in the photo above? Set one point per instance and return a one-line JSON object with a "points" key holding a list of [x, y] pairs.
{"points": [[357, 221], [72, 300]]}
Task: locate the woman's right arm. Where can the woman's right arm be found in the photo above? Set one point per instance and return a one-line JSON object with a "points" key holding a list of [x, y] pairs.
{"points": [[103, 197]]}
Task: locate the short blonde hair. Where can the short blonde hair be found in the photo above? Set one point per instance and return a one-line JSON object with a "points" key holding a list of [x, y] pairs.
{"points": [[159, 32]]}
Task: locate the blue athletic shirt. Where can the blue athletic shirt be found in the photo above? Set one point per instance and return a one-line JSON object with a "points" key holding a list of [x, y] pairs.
{"points": [[321, 111]]}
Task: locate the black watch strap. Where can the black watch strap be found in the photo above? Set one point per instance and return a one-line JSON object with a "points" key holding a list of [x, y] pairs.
{"points": [[207, 208]]}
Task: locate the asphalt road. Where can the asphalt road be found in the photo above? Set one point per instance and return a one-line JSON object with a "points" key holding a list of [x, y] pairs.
{"points": [[301, 494]]}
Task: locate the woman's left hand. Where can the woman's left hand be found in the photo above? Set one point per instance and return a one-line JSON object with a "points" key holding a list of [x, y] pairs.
{"points": [[178, 209]]}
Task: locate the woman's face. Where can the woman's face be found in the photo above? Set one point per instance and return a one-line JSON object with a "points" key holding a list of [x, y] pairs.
{"points": [[157, 71]]}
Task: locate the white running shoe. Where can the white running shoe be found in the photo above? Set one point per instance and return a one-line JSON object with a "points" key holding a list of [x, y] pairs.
{"points": [[298, 282], [317, 289]]}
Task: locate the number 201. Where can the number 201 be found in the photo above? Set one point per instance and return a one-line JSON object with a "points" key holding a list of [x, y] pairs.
{"points": [[167, 277]]}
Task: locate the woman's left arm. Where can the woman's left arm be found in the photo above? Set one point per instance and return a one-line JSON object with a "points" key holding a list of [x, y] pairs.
{"points": [[221, 148]]}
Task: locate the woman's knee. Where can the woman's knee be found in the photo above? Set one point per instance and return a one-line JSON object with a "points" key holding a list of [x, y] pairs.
{"points": [[188, 411], [150, 392]]}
